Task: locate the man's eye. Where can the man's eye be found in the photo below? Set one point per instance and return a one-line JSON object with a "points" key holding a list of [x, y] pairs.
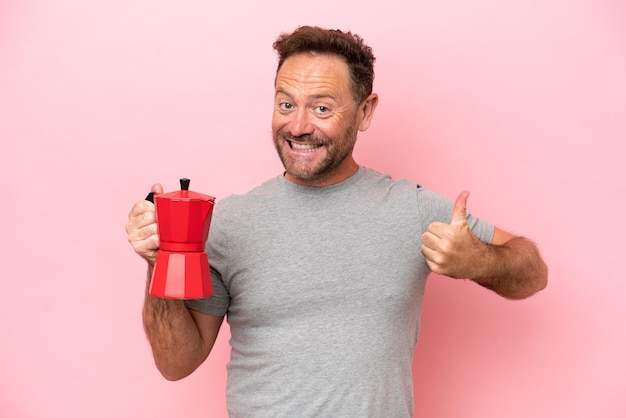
{"points": [[322, 109], [285, 106]]}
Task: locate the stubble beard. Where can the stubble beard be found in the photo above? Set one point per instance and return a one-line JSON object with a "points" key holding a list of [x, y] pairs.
{"points": [[336, 153]]}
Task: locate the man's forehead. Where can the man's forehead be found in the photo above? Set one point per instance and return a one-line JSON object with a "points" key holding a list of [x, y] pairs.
{"points": [[316, 57], [305, 68]]}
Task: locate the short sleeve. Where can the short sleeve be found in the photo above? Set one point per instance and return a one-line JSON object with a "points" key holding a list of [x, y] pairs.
{"points": [[217, 304]]}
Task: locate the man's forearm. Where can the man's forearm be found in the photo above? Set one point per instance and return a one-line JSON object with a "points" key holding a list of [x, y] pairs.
{"points": [[514, 270], [173, 335]]}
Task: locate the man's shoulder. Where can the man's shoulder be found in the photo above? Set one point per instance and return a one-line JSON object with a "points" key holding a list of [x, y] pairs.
{"points": [[269, 186], [372, 178], [242, 204]]}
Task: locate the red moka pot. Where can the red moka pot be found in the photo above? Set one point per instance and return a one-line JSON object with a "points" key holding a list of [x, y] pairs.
{"points": [[182, 266]]}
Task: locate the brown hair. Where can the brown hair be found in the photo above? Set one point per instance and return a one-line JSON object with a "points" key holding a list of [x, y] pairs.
{"points": [[350, 47]]}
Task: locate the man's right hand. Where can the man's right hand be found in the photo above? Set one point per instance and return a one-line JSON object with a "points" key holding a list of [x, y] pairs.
{"points": [[142, 229]]}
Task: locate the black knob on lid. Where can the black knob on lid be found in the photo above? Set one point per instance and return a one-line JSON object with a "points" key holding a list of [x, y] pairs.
{"points": [[184, 184]]}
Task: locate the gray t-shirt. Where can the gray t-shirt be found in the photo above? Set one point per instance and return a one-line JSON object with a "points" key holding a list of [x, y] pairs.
{"points": [[323, 288]]}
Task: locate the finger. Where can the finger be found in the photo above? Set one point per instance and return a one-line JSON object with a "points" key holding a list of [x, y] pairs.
{"points": [[438, 229], [430, 257], [428, 252], [140, 208], [146, 248], [137, 235], [157, 188], [459, 213], [429, 240], [144, 232]]}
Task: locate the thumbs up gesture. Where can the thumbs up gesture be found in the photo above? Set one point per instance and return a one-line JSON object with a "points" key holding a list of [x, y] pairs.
{"points": [[452, 249]]}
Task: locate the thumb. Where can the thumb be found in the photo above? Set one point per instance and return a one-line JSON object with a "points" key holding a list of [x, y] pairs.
{"points": [[459, 213], [157, 188]]}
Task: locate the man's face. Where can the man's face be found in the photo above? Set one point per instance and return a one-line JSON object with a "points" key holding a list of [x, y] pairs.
{"points": [[315, 119]]}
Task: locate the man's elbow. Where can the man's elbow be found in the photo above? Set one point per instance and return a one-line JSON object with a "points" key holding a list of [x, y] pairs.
{"points": [[531, 285], [174, 372], [541, 278]]}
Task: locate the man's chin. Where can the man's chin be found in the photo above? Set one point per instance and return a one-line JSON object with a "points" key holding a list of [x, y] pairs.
{"points": [[304, 176], [307, 169]]}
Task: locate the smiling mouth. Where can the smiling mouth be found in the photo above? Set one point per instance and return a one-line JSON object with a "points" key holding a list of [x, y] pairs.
{"points": [[304, 147]]}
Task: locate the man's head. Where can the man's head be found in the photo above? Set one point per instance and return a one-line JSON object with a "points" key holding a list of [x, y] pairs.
{"points": [[322, 99], [350, 47]]}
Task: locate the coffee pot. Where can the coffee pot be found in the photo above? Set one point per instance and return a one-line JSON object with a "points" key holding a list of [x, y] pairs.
{"points": [[182, 266]]}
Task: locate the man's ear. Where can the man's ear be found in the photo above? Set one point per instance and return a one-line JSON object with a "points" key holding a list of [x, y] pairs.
{"points": [[366, 111]]}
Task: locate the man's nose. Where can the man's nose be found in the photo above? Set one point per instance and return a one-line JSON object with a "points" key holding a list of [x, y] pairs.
{"points": [[301, 123]]}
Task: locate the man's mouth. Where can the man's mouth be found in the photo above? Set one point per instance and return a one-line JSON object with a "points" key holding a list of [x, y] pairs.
{"points": [[308, 147]]}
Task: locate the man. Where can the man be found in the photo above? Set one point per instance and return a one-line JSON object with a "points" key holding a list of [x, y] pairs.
{"points": [[321, 271]]}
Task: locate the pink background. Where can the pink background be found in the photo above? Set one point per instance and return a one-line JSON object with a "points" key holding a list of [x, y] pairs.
{"points": [[523, 103]]}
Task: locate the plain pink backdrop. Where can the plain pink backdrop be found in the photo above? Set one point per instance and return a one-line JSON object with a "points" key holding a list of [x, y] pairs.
{"points": [[523, 103]]}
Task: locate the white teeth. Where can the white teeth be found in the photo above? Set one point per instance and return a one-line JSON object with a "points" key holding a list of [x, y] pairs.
{"points": [[304, 147]]}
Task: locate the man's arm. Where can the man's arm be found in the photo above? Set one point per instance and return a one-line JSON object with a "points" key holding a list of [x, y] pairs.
{"points": [[510, 266], [181, 338]]}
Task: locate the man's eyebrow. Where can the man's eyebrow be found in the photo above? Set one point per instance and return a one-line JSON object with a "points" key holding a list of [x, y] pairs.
{"points": [[281, 91], [313, 96], [323, 96]]}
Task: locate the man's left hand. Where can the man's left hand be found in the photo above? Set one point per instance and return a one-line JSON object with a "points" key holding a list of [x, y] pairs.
{"points": [[452, 249]]}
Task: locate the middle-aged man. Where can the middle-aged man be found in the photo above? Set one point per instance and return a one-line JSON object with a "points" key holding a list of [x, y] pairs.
{"points": [[321, 270]]}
